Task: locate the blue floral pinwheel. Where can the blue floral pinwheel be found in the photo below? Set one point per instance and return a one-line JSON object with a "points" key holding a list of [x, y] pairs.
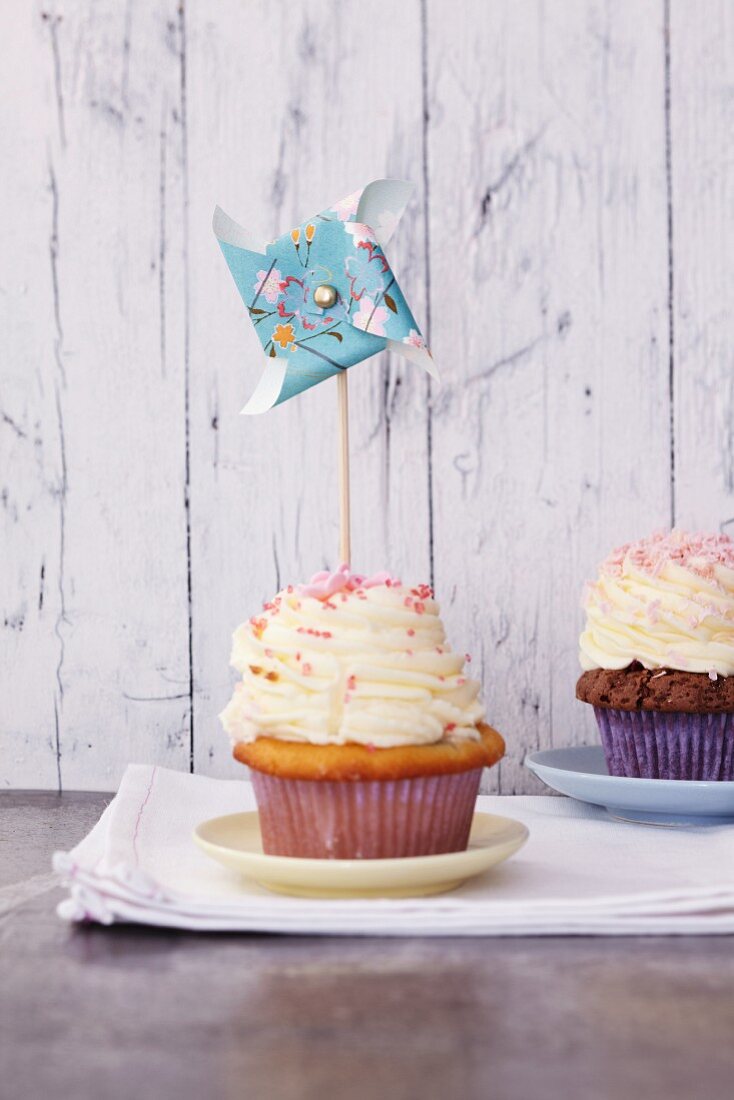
{"points": [[323, 297]]}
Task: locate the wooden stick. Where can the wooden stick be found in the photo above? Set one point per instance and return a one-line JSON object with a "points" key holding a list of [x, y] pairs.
{"points": [[345, 538]]}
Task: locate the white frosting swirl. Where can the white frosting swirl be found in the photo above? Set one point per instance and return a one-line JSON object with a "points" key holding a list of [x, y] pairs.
{"points": [[667, 602], [367, 664]]}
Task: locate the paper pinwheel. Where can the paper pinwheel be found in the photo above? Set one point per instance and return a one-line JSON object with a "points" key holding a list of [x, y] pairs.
{"points": [[323, 297]]}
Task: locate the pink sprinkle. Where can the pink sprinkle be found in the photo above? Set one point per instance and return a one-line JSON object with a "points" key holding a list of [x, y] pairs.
{"points": [[451, 726], [307, 669], [411, 632], [268, 653], [461, 680], [298, 656], [438, 649], [289, 589], [352, 683], [408, 601], [409, 652], [370, 747], [347, 698], [420, 608], [442, 679], [698, 552]]}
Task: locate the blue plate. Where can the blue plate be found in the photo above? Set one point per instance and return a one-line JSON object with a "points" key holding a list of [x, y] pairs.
{"points": [[581, 772]]}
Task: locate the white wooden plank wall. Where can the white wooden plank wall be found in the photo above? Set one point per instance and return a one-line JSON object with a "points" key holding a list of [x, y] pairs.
{"points": [[549, 281], [701, 214], [568, 247]]}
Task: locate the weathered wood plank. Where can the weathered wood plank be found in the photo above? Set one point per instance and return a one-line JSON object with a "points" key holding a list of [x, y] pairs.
{"points": [[702, 194], [291, 108], [31, 456], [105, 376], [549, 307]]}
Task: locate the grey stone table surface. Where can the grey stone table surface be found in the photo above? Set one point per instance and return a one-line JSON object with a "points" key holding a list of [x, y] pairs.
{"points": [[91, 1012]]}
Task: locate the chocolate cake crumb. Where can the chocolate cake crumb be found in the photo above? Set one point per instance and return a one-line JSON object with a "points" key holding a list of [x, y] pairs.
{"points": [[638, 688]]}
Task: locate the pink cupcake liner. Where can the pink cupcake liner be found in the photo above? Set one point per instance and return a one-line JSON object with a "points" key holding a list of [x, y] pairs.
{"points": [[654, 744], [366, 819]]}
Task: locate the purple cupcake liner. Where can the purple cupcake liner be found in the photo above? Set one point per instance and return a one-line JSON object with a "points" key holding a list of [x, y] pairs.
{"points": [[655, 744], [365, 819]]}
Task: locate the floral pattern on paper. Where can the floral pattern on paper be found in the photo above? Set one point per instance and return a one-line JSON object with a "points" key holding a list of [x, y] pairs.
{"points": [[371, 317], [346, 209], [337, 250], [415, 339], [268, 284], [283, 335]]}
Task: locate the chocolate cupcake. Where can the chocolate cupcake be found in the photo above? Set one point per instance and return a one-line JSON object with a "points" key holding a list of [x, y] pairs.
{"points": [[658, 655]]}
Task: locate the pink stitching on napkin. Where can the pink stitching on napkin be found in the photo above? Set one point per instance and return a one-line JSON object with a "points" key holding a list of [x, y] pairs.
{"points": [[140, 815]]}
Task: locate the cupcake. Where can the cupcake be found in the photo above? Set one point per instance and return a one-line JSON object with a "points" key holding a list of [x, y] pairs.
{"points": [[658, 655], [364, 734]]}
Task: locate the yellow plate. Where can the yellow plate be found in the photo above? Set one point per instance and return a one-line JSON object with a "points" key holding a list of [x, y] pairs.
{"points": [[234, 840]]}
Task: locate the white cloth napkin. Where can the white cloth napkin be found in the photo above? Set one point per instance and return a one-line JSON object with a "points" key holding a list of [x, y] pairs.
{"points": [[580, 873]]}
